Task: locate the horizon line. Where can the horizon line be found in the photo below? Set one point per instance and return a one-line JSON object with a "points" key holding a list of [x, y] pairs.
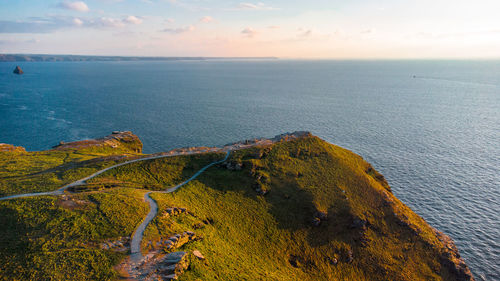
{"points": [[132, 57]]}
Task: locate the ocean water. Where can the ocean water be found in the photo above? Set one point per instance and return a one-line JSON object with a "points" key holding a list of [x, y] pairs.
{"points": [[431, 127]]}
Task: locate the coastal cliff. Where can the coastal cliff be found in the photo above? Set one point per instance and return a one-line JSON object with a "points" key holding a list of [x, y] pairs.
{"points": [[293, 207], [125, 140]]}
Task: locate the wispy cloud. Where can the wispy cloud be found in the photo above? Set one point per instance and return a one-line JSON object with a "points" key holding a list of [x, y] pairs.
{"points": [[179, 30], [79, 6], [206, 19], [254, 6], [55, 23], [77, 22], [36, 25], [249, 32], [108, 22], [133, 20]]}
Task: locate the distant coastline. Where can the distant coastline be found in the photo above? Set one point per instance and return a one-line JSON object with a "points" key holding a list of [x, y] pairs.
{"points": [[54, 58]]}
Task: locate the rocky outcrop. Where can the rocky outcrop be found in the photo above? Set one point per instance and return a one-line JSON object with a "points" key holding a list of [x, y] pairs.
{"points": [[10, 148], [18, 70], [173, 211], [451, 260], [233, 166], [267, 142], [177, 240], [121, 244], [291, 136], [124, 140], [159, 267]]}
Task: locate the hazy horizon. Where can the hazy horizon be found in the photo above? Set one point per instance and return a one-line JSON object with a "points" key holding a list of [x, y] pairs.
{"points": [[359, 29]]}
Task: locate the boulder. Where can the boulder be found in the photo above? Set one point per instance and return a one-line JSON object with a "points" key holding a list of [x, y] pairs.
{"points": [[198, 254], [175, 257]]}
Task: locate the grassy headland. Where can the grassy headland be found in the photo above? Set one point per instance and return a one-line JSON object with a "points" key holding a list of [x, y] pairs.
{"points": [[299, 209]]}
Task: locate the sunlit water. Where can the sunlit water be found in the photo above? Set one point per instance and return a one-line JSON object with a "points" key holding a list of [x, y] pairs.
{"points": [[431, 127]]}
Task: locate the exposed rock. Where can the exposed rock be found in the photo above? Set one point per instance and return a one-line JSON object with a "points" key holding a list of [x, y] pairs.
{"points": [[18, 70], [174, 257], [233, 166], [451, 260], [291, 136], [319, 217], [119, 245], [174, 211], [350, 256], [10, 148], [178, 240], [198, 254], [126, 140]]}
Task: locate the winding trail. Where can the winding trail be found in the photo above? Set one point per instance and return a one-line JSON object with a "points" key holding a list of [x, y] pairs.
{"points": [[61, 190], [135, 243]]}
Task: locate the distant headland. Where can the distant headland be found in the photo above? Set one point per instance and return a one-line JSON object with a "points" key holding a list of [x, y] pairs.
{"points": [[53, 58]]}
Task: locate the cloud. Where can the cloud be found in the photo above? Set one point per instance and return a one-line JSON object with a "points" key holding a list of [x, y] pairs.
{"points": [[249, 32], [79, 6], [256, 6], [169, 20], [273, 27], [206, 19], [77, 22], [109, 22], [179, 30], [36, 25], [55, 23], [133, 20]]}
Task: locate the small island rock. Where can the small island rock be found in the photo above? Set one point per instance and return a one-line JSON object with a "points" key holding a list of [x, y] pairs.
{"points": [[18, 70]]}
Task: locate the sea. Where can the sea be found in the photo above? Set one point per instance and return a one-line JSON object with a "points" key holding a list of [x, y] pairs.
{"points": [[432, 127]]}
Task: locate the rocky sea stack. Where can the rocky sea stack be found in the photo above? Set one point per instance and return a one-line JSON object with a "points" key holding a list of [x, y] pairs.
{"points": [[18, 70]]}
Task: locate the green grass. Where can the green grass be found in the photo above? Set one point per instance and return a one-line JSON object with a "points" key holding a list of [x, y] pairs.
{"points": [[255, 237], [23, 172], [244, 235], [41, 239], [157, 174]]}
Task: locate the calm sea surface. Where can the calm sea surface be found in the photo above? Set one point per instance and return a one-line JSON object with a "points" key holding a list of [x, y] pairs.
{"points": [[435, 136]]}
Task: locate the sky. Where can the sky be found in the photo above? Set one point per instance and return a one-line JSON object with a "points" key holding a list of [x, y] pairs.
{"points": [[330, 29]]}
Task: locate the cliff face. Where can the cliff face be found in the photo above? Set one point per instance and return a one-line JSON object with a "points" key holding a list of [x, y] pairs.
{"points": [[117, 140], [453, 264]]}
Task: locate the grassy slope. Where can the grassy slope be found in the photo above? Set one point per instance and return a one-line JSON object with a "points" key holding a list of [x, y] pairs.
{"points": [[254, 237], [157, 174], [43, 239], [245, 236], [40, 239], [22, 172]]}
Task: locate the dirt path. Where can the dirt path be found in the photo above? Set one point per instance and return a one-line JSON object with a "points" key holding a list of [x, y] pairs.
{"points": [[135, 243]]}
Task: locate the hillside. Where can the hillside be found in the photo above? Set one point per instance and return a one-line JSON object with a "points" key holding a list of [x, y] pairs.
{"points": [[291, 208]]}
